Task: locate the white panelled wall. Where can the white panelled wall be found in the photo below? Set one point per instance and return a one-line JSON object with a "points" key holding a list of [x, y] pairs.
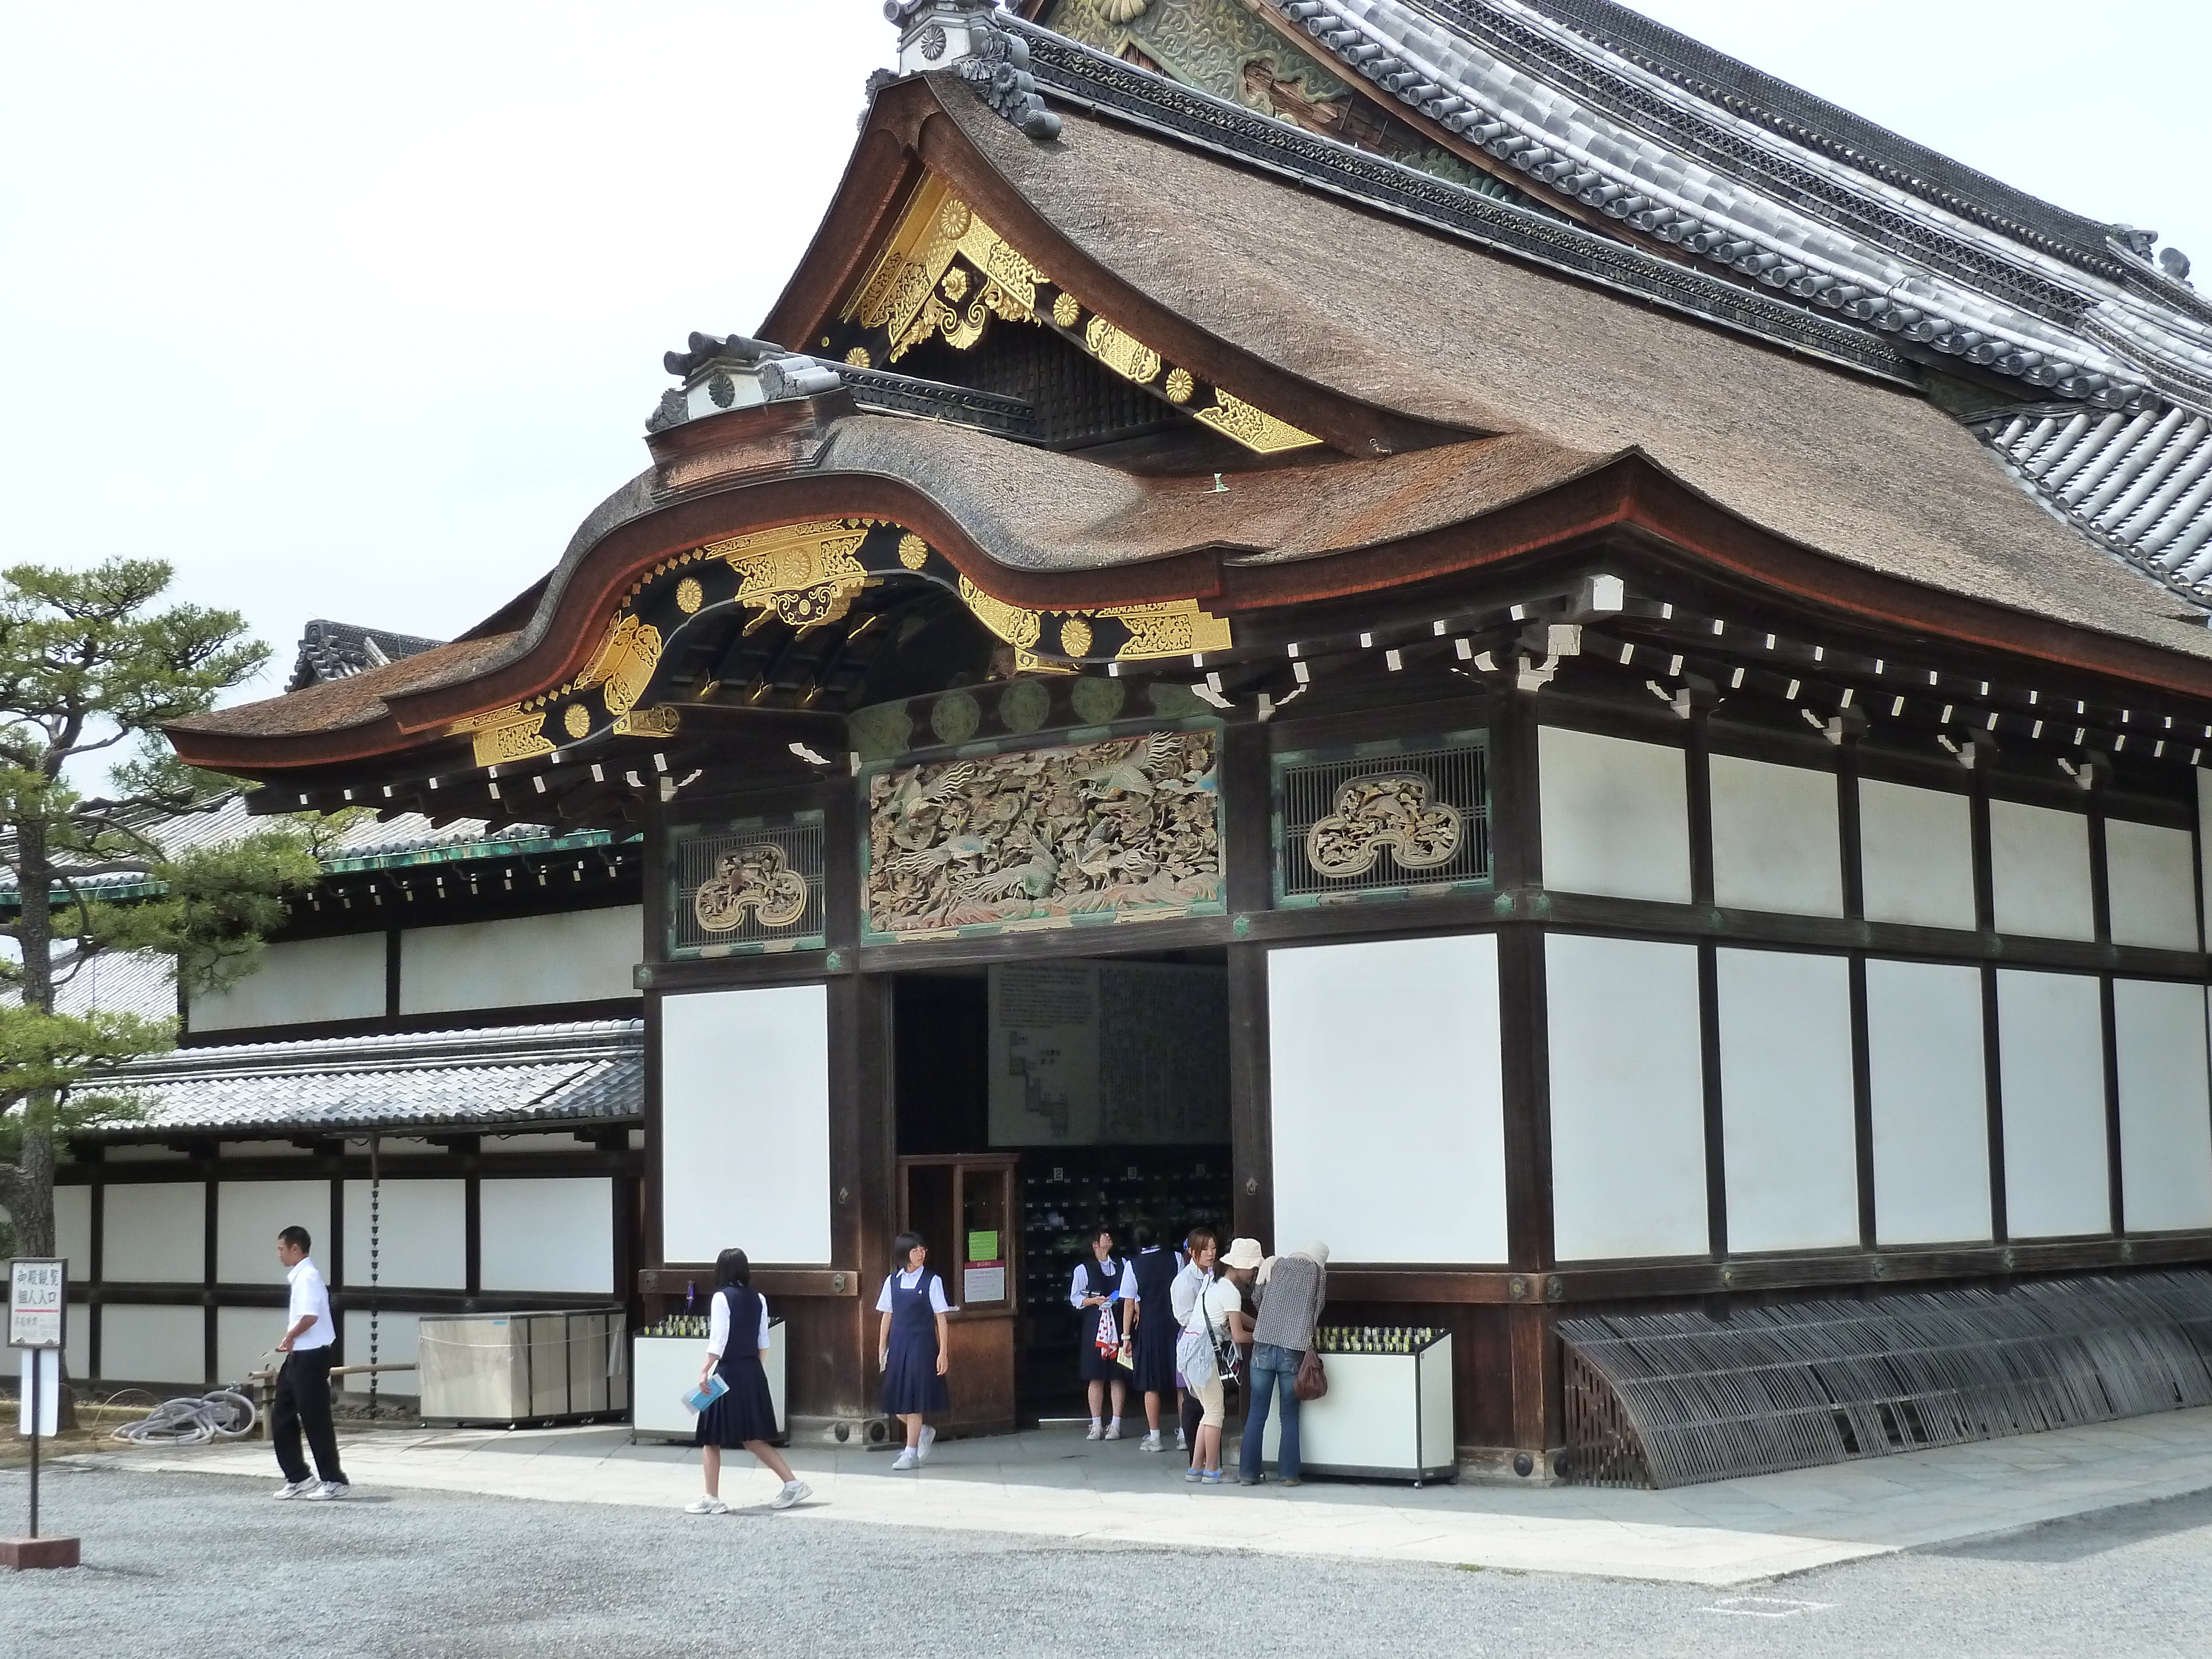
{"points": [[744, 1124], [1389, 1126], [1628, 1079]]}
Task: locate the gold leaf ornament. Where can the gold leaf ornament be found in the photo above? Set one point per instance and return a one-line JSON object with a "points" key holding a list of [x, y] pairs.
{"points": [[689, 596], [1065, 311], [577, 722], [1123, 11]]}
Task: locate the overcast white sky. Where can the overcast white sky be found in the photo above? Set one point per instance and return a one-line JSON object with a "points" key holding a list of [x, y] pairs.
{"points": [[354, 310]]}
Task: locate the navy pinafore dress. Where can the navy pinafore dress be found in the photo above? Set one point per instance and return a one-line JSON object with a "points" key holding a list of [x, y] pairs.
{"points": [[1155, 1271], [747, 1412], [910, 1380], [1099, 1278]]}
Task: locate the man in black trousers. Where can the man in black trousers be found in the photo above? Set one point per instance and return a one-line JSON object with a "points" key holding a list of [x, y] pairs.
{"points": [[302, 1398]]}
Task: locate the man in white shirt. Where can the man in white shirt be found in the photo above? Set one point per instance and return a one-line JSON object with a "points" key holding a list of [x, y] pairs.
{"points": [[302, 1396]]}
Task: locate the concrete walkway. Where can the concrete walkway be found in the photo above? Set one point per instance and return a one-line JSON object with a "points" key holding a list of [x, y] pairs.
{"points": [[1052, 1483]]}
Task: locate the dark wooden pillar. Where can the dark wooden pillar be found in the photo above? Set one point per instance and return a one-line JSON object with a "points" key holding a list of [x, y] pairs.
{"points": [[1517, 860]]}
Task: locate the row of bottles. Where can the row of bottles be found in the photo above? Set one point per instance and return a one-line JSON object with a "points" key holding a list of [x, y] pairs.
{"points": [[1374, 1339], [687, 1325]]}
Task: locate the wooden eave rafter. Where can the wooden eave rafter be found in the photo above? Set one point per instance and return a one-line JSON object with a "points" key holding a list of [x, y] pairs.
{"points": [[909, 136]]}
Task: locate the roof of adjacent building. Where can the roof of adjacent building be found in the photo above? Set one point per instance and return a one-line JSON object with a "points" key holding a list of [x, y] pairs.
{"points": [[333, 650], [493, 1079]]}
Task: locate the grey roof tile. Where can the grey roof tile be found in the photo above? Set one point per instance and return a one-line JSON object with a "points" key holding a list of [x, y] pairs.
{"points": [[492, 1079]]}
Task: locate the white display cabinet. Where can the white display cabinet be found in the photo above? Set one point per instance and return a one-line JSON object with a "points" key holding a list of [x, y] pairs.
{"points": [[1386, 1416], [664, 1369]]}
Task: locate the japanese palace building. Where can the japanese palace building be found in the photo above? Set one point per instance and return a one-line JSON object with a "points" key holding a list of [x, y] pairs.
{"points": [[1458, 627]]}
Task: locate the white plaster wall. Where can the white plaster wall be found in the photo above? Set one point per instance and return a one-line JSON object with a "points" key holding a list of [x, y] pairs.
{"points": [[153, 1345], [157, 1234], [422, 1232], [247, 1215], [2051, 1045], [2166, 1105], [76, 1341], [2150, 874], [1931, 1137], [1615, 815], [73, 1231], [551, 1234], [1775, 845], [1628, 1133], [578, 955], [1916, 855], [299, 982], [396, 1344], [242, 1335], [745, 1113], [2204, 842], [1787, 1110], [1423, 1014], [2039, 870]]}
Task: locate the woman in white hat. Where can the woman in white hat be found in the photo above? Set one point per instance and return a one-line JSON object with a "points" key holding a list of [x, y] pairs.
{"points": [[1215, 1323]]}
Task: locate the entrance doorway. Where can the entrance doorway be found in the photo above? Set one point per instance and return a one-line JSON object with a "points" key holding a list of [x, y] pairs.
{"points": [[1104, 1083]]}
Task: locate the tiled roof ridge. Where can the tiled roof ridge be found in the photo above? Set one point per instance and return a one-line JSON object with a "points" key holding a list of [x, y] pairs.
{"points": [[1800, 225], [479, 1048], [1122, 91]]}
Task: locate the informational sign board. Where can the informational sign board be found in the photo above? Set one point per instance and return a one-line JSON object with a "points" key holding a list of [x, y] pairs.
{"points": [[37, 1297]]}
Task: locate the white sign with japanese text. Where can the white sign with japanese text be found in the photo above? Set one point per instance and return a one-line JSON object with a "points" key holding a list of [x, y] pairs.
{"points": [[37, 1293]]}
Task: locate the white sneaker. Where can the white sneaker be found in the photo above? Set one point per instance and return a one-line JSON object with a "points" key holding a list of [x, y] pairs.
{"points": [[703, 1504], [1113, 1431], [928, 1439], [326, 1490], [906, 1460], [794, 1491], [295, 1489], [1098, 1431], [1182, 1441], [1151, 1442]]}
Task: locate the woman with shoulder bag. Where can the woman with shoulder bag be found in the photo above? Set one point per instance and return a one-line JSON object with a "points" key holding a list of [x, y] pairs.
{"points": [[1207, 1353]]}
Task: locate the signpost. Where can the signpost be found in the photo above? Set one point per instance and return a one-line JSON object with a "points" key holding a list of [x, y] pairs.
{"points": [[38, 1310]]}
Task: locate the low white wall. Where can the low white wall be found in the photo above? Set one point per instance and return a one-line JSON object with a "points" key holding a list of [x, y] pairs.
{"points": [[155, 1233], [299, 982], [1615, 815], [1628, 1130], [1359, 1161], [153, 1345], [745, 1117], [73, 1229], [577, 956], [247, 1216], [555, 1234], [422, 1235]]}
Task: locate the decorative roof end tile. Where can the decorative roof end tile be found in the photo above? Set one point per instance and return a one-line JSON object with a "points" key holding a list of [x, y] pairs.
{"points": [[962, 34]]}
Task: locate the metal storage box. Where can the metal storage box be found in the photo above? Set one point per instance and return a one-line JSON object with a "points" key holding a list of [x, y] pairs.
{"points": [[1386, 1416], [515, 1368]]}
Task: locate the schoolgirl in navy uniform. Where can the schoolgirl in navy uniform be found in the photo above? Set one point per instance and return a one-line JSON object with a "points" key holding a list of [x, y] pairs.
{"points": [[745, 1415], [1096, 1294], [1147, 1286], [911, 1346]]}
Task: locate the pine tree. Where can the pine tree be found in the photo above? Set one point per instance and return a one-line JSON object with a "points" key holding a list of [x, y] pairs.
{"points": [[91, 668]]}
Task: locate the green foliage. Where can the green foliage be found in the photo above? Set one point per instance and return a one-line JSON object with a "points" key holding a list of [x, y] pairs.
{"points": [[89, 667]]}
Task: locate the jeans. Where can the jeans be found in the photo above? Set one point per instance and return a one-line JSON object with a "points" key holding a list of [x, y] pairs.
{"points": [[1274, 1373]]}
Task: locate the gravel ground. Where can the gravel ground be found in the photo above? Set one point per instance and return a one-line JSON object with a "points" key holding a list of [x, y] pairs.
{"points": [[188, 1565]]}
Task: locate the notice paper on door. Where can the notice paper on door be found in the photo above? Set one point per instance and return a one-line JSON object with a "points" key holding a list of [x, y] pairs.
{"points": [[984, 1281]]}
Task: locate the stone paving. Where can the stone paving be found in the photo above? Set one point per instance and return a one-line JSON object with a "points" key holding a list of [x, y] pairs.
{"points": [[1052, 1483]]}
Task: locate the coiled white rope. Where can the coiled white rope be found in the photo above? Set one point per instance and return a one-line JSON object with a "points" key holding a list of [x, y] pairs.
{"points": [[224, 1414]]}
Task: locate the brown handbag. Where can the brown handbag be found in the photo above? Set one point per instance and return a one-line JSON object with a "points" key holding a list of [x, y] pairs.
{"points": [[1312, 1382]]}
